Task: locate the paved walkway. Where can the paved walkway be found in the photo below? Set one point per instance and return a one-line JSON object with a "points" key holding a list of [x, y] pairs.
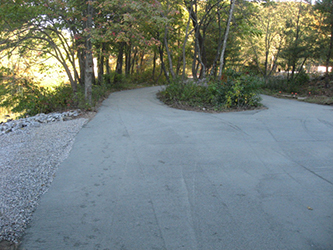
{"points": [[142, 175]]}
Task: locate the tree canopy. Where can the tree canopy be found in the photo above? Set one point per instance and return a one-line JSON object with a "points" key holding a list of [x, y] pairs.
{"points": [[190, 38]]}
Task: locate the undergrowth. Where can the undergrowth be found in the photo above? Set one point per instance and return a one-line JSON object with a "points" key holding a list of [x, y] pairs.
{"points": [[30, 99], [287, 85], [313, 89], [235, 92], [23, 96]]}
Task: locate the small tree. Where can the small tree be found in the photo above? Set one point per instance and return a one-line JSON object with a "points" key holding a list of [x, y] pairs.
{"points": [[226, 37], [325, 7]]}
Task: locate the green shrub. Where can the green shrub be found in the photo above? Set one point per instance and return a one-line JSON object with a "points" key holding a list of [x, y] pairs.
{"points": [[277, 84], [122, 81], [190, 94], [302, 78], [286, 85], [237, 92], [232, 73], [146, 78], [28, 98]]}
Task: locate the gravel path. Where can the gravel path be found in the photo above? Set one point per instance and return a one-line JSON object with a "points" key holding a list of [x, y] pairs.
{"points": [[29, 158]]}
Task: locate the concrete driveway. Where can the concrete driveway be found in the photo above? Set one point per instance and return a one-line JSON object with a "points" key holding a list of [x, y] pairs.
{"points": [[142, 175]]}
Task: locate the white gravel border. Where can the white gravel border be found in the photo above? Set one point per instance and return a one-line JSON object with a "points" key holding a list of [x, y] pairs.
{"points": [[29, 158]]}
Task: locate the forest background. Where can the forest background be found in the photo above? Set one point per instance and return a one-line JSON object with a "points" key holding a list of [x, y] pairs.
{"points": [[65, 54]]}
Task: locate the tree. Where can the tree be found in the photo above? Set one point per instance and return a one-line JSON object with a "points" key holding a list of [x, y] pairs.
{"points": [[204, 16], [325, 7], [226, 37], [300, 38], [43, 31], [89, 66], [271, 24], [265, 38]]}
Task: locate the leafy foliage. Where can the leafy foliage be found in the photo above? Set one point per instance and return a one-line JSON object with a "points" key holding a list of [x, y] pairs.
{"points": [[265, 37], [283, 84], [239, 91], [190, 94], [28, 98]]}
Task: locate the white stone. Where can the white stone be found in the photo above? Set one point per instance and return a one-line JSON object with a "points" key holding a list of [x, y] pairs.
{"points": [[37, 120]]}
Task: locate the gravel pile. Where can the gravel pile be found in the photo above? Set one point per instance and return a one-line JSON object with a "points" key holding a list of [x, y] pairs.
{"points": [[29, 158]]}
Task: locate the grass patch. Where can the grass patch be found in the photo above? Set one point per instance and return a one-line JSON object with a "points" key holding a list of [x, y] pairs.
{"points": [[323, 100]]}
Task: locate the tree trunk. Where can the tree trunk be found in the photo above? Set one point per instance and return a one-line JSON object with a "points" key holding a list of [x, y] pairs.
{"points": [[137, 64], [266, 64], [184, 43], [163, 65], [154, 64], [267, 48], [82, 64], [275, 59], [128, 59], [89, 59], [256, 58], [120, 59], [179, 64], [295, 57], [108, 71], [142, 55], [165, 41], [200, 52], [213, 71], [133, 60], [100, 65], [328, 58], [203, 67], [226, 38], [168, 53], [301, 67], [194, 63], [70, 77]]}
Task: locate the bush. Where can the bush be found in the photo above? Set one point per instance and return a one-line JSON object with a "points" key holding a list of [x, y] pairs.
{"points": [[283, 84], [146, 77], [122, 81], [240, 91], [302, 78], [28, 98], [237, 92], [190, 94], [23, 96]]}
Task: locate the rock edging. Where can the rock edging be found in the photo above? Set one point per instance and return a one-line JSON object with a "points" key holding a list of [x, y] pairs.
{"points": [[37, 120]]}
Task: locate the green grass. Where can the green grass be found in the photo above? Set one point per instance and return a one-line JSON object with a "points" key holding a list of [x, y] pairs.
{"points": [[323, 100]]}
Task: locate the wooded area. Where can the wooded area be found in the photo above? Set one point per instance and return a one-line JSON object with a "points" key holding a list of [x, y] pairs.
{"points": [[174, 39]]}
